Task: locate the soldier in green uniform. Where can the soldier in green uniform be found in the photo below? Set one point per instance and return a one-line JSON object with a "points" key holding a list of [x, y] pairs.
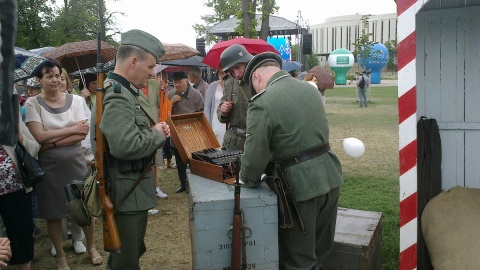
{"points": [[132, 143], [290, 129], [236, 94]]}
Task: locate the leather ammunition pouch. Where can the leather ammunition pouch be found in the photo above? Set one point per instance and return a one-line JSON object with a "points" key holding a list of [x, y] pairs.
{"points": [[284, 191], [129, 166]]}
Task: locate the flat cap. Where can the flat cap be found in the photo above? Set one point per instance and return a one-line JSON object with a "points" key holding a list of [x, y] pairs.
{"points": [[144, 41], [256, 61], [178, 75]]}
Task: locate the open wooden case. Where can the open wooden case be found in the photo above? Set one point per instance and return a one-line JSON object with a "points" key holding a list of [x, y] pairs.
{"points": [[191, 133]]}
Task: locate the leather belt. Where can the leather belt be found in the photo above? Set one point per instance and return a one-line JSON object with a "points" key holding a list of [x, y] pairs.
{"points": [[306, 155], [239, 132]]}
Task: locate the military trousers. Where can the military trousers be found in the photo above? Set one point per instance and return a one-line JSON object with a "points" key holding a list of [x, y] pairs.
{"points": [[305, 251], [131, 228]]}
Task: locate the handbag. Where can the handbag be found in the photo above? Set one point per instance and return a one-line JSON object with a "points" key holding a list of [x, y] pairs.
{"points": [[30, 170]]}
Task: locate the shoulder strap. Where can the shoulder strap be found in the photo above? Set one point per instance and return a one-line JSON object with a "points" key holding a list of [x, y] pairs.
{"points": [[149, 118], [243, 92]]}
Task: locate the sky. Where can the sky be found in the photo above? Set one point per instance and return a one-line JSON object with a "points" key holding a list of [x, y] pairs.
{"points": [[171, 20]]}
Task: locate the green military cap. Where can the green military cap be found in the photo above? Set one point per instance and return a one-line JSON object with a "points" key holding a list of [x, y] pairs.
{"points": [[144, 41], [256, 61]]}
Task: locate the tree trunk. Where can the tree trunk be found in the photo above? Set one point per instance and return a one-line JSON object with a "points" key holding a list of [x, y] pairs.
{"points": [[266, 10], [246, 18]]}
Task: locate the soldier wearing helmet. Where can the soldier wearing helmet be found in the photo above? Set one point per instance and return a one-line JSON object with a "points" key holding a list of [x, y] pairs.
{"points": [[236, 94]]}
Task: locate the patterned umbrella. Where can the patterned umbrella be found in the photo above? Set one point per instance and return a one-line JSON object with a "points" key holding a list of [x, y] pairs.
{"points": [[325, 79], [26, 64], [81, 55], [177, 51]]}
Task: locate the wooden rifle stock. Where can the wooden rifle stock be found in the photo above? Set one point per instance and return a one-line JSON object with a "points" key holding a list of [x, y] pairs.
{"points": [[111, 239], [237, 226]]}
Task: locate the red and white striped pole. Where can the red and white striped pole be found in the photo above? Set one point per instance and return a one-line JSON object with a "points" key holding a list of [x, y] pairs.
{"points": [[407, 111]]}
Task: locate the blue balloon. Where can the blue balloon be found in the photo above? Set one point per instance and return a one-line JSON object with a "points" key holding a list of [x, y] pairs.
{"points": [[377, 60]]}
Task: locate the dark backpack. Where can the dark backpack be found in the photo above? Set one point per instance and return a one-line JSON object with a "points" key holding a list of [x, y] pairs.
{"points": [[361, 84]]}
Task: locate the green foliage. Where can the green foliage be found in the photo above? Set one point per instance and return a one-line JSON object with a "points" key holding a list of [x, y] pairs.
{"points": [[225, 9], [363, 44], [392, 53], [34, 18], [310, 61], [42, 24]]}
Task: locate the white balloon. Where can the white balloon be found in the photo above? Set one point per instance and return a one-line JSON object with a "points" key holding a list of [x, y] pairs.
{"points": [[353, 147]]}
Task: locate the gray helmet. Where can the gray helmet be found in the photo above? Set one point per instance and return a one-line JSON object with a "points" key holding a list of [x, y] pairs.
{"points": [[233, 55]]}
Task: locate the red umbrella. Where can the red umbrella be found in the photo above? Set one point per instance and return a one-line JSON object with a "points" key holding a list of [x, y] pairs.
{"points": [[253, 46], [325, 79]]}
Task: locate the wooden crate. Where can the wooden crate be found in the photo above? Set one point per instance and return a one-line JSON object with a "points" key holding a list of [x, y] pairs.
{"points": [[191, 132], [358, 241]]}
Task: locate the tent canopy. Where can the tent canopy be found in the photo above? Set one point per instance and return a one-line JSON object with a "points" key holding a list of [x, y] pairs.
{"points": [[278, 26]]}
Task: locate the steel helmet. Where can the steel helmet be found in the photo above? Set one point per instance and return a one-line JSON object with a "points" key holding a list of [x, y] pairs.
{"points": [[233, 55]]}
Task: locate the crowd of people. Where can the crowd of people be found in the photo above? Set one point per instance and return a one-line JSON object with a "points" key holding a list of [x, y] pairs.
{"points": [[254, 106]]}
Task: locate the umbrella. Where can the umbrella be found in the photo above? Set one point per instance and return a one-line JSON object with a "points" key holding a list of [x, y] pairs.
{"points": [[325, 79], [26, 64], [252, 45], [110, 65], [291, 65], [81, 55], [177, 51], [194, 61]]}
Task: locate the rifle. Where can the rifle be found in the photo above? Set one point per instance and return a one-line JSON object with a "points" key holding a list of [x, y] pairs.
{"points": [[238, 238], [111, 239]]}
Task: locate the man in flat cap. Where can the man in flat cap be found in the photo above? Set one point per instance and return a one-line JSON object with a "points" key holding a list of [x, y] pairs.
{"points": [[288, 130], [132, 142], [185, 99], [236, 94]]}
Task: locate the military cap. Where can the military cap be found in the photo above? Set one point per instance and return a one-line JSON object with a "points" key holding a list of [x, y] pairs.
{"points": [[178, 75], [144, 41], [256, 61]]}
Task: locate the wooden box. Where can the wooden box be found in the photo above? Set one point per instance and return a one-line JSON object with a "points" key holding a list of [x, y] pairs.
{"points": [[191, 132], [358, 241]]}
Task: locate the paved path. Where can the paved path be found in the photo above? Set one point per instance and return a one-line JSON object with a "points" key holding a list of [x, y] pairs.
{"points": [[383, 83]]}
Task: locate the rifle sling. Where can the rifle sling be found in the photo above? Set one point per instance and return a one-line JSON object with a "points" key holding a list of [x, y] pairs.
{"points": [[149, 166]]}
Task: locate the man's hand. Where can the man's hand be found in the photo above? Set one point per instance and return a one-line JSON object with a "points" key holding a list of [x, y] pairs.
{"points": [[5, 251], [81, 127], [226, 107], [163, 128], [85, 93], [175, 99]]}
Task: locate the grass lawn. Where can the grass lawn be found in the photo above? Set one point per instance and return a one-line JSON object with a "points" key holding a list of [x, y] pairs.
{"points": [[371, 182]]}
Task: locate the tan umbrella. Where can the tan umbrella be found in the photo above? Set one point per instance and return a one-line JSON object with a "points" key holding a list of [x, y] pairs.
{"points": [[325, 79], [177, 51], [81, 55]]}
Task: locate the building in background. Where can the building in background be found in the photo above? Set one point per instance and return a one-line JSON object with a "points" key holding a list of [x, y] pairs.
{"points": [[343, 31]]}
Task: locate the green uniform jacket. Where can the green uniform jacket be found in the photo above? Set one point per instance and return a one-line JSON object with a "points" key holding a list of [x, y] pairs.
{"points": [[150, 104], [285, 120], [130, 137], [237, 117]]}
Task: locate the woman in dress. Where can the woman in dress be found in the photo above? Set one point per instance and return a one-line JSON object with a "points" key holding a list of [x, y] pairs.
{"points": [[16, 202], [57, 121], [212, 100]]}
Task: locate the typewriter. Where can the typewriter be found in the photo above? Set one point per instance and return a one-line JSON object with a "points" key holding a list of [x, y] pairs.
{"points": [[221, 157]]}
